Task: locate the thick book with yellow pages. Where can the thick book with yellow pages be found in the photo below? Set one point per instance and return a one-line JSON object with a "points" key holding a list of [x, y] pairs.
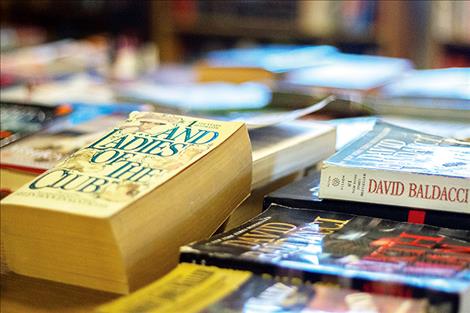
{"points": [[113, 215]]}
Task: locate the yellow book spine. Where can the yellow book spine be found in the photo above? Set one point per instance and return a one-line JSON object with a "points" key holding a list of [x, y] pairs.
{"points": [[187, 289]]}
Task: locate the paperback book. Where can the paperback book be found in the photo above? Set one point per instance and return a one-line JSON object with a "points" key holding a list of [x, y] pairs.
{"points": [[104, 215], [304, 194], [196, 288], [358, 252], [398, 166]]}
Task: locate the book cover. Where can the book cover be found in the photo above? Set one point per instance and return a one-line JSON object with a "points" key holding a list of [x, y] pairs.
{"points": [[438, 93], [358, 252], [19, 120], [102, 216], [125, 164], [447, 83], [398, 166], [196, 288], [341, 71], [304, 194]]}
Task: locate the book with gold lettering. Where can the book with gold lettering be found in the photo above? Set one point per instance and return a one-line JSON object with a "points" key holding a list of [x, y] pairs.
{"points": [[358, 252], [399, 166], [196, 288], [113, 214]]}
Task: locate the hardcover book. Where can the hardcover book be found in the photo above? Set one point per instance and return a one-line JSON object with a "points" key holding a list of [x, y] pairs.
{"points": [[196, 288], [304, 194], [398, 166], [113, 214], [358, 252]]}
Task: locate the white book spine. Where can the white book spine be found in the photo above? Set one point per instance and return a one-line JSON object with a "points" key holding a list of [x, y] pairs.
{"points": [[395, 188]]}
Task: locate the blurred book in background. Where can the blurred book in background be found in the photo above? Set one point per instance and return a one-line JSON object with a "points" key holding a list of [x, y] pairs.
{"points": [[438, 93], [265, 63], [19, 120], [348, 75]]}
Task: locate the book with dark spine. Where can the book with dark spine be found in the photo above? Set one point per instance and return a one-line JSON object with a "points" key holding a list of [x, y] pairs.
{"points": [[304, 194]]}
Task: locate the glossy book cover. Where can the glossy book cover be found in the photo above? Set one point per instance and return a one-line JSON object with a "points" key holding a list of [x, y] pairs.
{"points": [[131, 160], [399, 166], [358, 252]]}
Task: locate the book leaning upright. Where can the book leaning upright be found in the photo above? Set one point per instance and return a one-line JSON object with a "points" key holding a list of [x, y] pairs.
{"points": [[113, 215], [399, 166]]}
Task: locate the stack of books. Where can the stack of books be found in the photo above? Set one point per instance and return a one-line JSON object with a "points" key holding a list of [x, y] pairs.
{"points": [[328, 243]]}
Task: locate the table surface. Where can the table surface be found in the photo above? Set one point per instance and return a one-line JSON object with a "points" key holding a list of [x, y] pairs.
{"points": [[20, 294]]}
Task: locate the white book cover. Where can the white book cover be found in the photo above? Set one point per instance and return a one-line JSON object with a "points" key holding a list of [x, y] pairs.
{"points": [[400, 166]]}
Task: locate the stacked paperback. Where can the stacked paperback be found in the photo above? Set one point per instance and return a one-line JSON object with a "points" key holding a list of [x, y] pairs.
{"points": [[127, 201]]}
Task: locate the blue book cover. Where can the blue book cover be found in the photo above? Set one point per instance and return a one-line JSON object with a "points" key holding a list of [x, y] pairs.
{"points": [[273, 58], [350, 71], [358, 252], [399, 166], [447, 83], [441, 93]]}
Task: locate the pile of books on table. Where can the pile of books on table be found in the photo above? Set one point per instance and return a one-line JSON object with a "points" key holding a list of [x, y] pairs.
{"points": [[122, 199], [350, 239], [348, 251]]}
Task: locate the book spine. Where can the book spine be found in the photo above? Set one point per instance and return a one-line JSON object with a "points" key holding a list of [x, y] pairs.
{"points": [[395, 188]]}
